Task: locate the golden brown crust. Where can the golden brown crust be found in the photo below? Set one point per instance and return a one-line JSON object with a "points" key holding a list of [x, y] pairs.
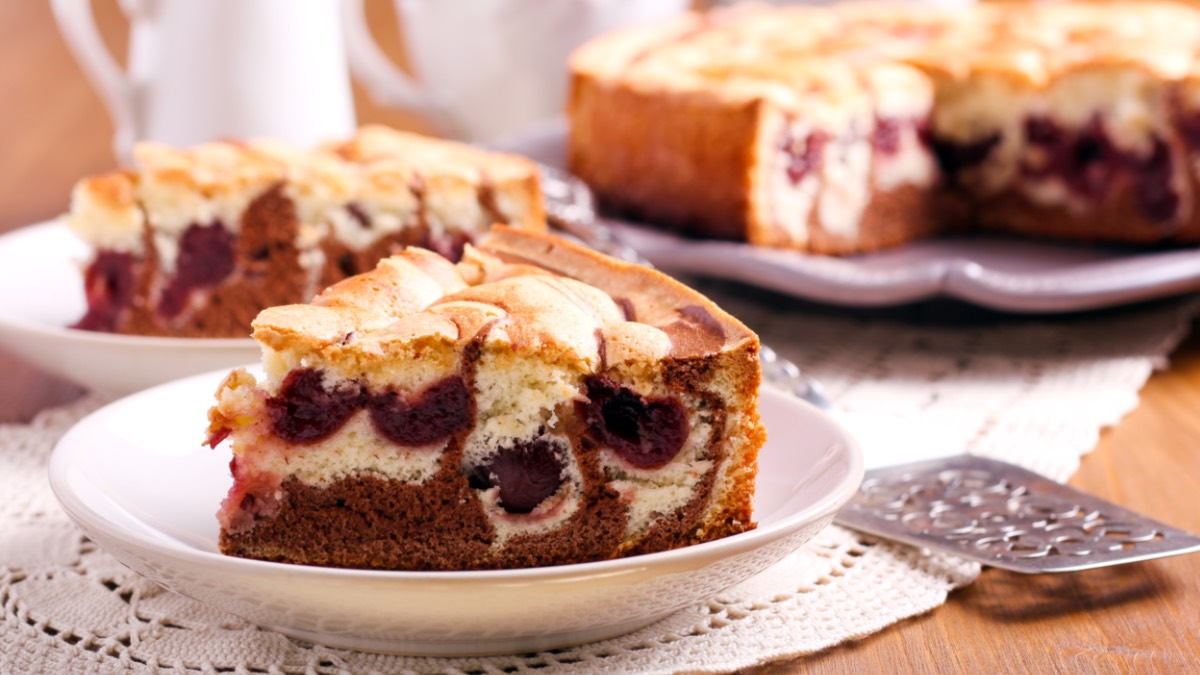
{"points": [[656, 298], [376, 159], [551, 292], [700, 154]]}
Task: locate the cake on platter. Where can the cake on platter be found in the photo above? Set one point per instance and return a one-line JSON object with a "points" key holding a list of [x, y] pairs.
{"points": [[195, 242], [860, 126], [536, 403]]}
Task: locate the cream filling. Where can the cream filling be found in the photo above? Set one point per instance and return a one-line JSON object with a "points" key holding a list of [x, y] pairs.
{"points": [[517, 398], [652, 493], [791, 203], [846, 179], [453, 209], [902, 94], [648, 503], [1053, 191], [354, 450], [837, 187], [912, 164]]}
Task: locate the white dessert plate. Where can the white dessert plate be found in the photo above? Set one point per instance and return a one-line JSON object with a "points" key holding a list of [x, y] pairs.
{"points": [[41, 293], [990, 271], [135, 478]]}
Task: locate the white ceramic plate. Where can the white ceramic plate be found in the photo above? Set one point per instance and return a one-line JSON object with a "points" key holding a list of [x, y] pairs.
{"points": [[990, 271], [136, 480], [41, 293]]}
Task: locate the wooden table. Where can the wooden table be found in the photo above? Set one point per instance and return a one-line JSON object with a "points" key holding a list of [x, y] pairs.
{"points": [[1143, 617]]}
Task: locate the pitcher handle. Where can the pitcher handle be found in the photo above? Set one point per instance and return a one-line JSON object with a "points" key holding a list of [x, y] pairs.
{"points": [[384, 81], [78, 27]]}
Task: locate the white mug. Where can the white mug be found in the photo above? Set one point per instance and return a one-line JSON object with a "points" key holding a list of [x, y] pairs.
{"points": [[200, 70], [485, 68]]}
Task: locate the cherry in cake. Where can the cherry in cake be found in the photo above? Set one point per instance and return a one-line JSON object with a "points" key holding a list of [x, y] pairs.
{"points": [[195, 242], [535, 403]]}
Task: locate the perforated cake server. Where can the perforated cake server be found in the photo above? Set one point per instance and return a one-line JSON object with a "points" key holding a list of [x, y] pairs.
{"points": [[993, 512], [1005, 516]]}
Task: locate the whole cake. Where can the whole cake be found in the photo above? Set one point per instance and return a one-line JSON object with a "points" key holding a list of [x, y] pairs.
{"points": [[195, 242], [535, 404], [855, 127]]}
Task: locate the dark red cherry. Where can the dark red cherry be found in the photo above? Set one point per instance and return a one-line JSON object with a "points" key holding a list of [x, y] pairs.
{"points": [[442, 409], [206, 258], [1088, 163], [526, 473], [108, 284], [646, 432], [803, 161], [357, 212], [1084, 159], [449, 245], [306, 411], [886, 137]]}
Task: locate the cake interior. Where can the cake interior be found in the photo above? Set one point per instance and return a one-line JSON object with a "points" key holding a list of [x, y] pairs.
{"points": [[522, 418]]}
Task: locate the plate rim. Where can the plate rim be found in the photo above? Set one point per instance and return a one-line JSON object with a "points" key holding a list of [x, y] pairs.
{"points": [[938, 275]]}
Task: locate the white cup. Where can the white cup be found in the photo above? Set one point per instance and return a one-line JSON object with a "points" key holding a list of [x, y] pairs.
{"points": [[485, 68], [200, 70]]}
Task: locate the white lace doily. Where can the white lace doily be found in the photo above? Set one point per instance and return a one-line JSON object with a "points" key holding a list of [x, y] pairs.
{"points": [[1032, 391]]}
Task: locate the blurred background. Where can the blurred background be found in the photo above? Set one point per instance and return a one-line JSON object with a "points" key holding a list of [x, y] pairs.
{"points": [[55, 100]]}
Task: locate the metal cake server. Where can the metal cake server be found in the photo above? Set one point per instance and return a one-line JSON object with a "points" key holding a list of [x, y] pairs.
{"points": [[993, 512]]}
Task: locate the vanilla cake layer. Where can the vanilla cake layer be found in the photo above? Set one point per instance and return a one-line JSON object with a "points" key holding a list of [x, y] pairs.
{"points": [[196, 241], [534, 404], [857, 126]]}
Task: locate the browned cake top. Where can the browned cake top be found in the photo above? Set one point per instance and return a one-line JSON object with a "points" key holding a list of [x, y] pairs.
{"points": [[383, 170], [531, 291], [785, 54]]}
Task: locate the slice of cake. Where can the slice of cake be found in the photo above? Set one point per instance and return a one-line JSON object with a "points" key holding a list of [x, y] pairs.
{"points": [[195, 242], [535, 404], [861, 125]]}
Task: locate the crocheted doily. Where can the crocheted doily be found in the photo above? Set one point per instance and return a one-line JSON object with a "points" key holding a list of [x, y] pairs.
{"points": [[909, 385]]}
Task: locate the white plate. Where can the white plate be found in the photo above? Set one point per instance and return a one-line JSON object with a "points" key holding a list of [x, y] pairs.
{"points": [[990, 271], [134, 477], [41, 293]]}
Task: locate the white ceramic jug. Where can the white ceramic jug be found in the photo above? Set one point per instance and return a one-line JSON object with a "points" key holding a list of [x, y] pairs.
{"points": [[485, 68], [200, 70]]}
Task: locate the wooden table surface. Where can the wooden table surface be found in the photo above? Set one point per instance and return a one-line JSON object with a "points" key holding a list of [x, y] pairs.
{"points": [[1143, 617]]}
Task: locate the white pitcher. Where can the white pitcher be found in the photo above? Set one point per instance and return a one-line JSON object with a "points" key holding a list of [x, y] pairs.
{"points": [[485, 68], [200, 70]]}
